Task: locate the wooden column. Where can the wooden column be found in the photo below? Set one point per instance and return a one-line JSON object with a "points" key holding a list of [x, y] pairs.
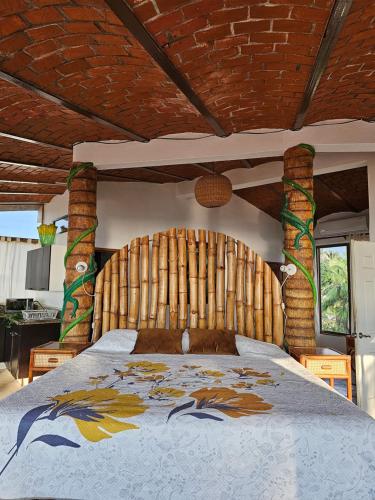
{"points": [[299, 299], [82, 217]]}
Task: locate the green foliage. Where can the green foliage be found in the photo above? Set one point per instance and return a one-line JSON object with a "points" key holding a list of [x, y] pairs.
{"points": [[9, 319], [334, 290]]}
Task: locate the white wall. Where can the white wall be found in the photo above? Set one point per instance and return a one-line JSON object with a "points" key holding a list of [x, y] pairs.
{"points": [[127, 210]]}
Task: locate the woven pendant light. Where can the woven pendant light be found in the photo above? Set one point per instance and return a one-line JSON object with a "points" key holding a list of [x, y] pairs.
{"points": [[214, 190]]}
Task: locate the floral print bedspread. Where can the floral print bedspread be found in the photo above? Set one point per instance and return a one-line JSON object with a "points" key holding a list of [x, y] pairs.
{"points": [[113, 426]]}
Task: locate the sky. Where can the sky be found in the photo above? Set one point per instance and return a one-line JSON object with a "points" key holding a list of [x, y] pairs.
{"points": [[19, 224]]}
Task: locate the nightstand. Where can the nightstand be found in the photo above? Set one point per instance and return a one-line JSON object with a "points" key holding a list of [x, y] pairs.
{"points": [[326, 364], [46, 357]]}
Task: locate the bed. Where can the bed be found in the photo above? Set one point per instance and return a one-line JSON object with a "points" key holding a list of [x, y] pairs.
{"points": [[110, 425]]}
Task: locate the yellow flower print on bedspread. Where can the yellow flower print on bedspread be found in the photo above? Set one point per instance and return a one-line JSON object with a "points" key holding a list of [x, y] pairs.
{"points": [[211, 373], [165, 393], [228, 401], [147, 366], [96, 412]]}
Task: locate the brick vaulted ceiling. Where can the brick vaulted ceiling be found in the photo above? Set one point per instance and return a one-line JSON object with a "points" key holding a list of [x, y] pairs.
{"points": [[247, 61]]}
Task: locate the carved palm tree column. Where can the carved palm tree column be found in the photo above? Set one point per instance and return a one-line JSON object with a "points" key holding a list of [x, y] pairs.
{"points": [[299, 247], [79, 286]]}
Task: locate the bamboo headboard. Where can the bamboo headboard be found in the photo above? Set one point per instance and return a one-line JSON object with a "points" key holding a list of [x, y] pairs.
{"points": [[215, 282]]}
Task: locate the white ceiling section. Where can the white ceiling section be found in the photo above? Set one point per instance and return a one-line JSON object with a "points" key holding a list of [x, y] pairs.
{"points": [[328, 137]]}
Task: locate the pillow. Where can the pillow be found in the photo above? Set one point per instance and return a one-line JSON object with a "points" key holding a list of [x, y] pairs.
{"points": [[116, 341], [158, 340], [246, 346], [211, 342]]}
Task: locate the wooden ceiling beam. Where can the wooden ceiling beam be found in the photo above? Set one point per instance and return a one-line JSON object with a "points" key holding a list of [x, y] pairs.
{"points": [[113, 177], [7, 180], [335, 23], [247, 164], [21, 198], [336, 195], [34, 166], [124, 12], [27, 193], [33, 141], [24, 188], [204, 167], [166, 174], [71, 107]]}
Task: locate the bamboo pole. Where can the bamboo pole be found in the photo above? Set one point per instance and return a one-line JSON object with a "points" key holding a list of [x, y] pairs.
{"points": [[134, 291], [106, 297], [202, 279], [211, 280], [249, 293], [173, 279], [114, 308], [220, 281], [82, 217], [298, 166], [163, 281], [154, 281], [240, 309], [182, 279], [123, 287], [193, 278], [98, 308], [231, 284], [267, 290], [145, 248], [277, 313], [258, 298]]}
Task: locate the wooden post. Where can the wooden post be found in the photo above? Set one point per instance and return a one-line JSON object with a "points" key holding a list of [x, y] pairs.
{"points": [[163, 281], [82, 217], [231, 282], [299, 300], [220, 281], [193, 278], [249, 293], [240, 309], [258, 298], [211, 280], [134, 286], [123, 287], [182, 279], [154, 281], [173, 279], [145, 254], [202, 287]]}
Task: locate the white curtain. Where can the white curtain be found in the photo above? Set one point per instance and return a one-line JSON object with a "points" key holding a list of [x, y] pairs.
{"points": [[13, 256]]}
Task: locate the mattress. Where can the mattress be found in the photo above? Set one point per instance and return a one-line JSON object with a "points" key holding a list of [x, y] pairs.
{"points": [[110, 425]]}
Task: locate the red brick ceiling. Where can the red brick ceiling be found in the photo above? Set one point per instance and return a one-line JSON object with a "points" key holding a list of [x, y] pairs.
{"points": [[248, 60]]}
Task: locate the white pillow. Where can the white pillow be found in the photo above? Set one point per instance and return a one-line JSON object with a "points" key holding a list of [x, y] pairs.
{"points": [[246, 346], [116, 341], [185, 342]]}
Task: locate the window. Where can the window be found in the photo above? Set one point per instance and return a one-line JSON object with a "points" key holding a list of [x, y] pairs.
{"points": [[20, 224], [334, 288]]}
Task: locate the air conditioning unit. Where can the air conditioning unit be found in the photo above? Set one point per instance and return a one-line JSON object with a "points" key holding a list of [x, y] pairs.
{"points": [[339, 227]]}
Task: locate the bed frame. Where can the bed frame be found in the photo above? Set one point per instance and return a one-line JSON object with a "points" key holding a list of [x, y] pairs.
{"points": [[212, 282]]}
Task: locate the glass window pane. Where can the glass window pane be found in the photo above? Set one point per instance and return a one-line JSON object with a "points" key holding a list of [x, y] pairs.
{"points": [[334, 289], [21, 224]]}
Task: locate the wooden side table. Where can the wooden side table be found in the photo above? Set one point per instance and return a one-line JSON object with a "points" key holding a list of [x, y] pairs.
{"points": [[326, 364], [46, 357]]}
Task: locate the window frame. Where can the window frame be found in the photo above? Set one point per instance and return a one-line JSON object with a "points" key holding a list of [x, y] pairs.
{"points": [[318, 249]]}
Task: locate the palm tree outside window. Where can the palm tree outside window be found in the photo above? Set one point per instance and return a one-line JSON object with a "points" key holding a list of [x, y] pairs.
{"points": [[334, 289]]}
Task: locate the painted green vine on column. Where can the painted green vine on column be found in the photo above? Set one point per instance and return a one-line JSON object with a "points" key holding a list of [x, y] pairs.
{"points": [[288, 217], [88, 276]]}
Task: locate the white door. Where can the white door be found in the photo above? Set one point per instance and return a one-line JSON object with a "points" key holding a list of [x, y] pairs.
{"points": [[363, 281]]}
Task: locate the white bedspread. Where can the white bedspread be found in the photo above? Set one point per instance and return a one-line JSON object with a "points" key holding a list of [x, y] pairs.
{"points": [[108, 426]]}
